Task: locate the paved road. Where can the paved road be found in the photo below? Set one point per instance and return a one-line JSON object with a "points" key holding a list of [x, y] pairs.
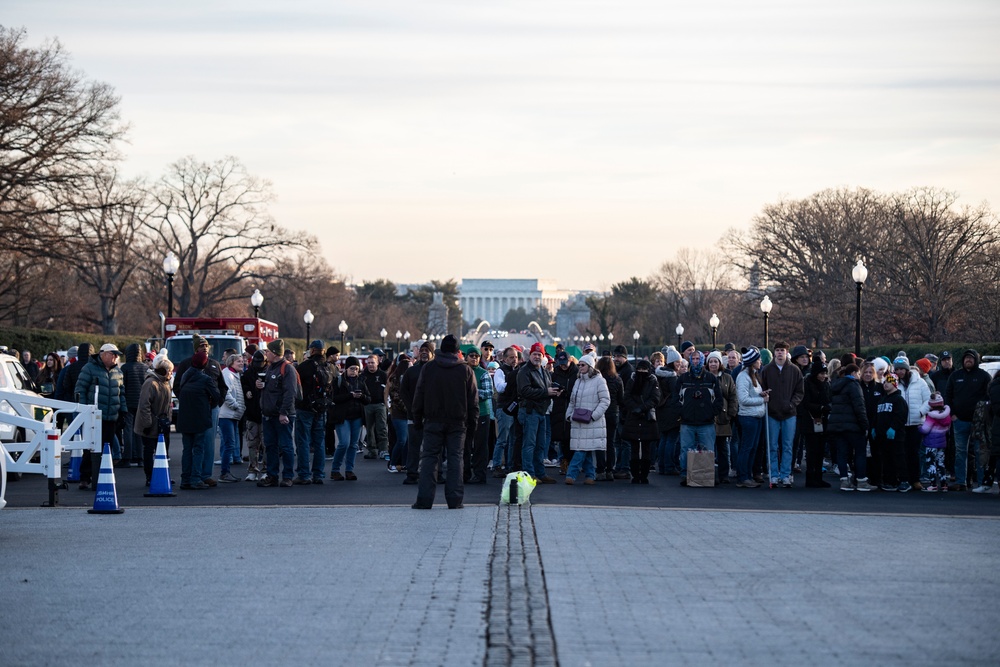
{"points": [[377, 486], [599, 586]]}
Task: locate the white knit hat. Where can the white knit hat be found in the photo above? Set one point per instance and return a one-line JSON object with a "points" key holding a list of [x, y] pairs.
{"points": [[588, 359]]}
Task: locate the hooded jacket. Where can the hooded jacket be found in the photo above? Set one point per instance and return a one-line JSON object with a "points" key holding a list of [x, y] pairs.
{"points": [[668, 417], [134, 375], [966, 388], [110, 389], [642, 395], [698, 398], [198, 395], [71, 374], [446, 393], [917, 396]]}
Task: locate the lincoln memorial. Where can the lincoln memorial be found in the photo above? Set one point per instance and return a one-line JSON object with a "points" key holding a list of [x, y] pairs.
{"points": [[490, 299]]}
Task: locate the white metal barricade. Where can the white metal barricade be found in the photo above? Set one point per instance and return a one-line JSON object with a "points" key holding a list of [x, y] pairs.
{"points": [[42, 438]]}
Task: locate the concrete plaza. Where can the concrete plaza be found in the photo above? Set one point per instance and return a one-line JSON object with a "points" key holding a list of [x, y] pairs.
{"points": [[485, 585]]}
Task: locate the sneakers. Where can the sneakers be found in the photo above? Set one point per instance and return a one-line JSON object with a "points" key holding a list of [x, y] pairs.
{"points": [[863, 485], [845, 484], [904, 487], [550, 463], [251, 477], [930, 488], [775, 482], [228, 477], [300, 481], [384, 455], [393, 468], [887, 487], [622, 474], [267, 480], [982, 489], [749, 484], [787, 482]]}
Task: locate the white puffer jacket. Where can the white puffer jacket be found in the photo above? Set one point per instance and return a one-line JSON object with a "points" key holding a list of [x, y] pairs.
{"points": [[589, 392], [918, 398], [234, 405]]}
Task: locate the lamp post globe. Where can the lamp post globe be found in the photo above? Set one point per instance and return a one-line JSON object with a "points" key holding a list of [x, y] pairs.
{"points": [[170, 266], [342, 328], [714, 323], [383, 333], [256, 299], [635, 345], [859, 273], [765, 307], [399, 334], [308, 319], [680, 334]]}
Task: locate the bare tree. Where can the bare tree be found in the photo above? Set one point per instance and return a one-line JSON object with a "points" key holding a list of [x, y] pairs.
{"points": [[214, 217], [100, 239], [693, 286], [55, 129]]}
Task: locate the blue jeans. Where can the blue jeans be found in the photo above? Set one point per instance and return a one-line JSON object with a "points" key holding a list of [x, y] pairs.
{"points": [[666, 455], [348, 433], [584, 459], [398, 457], [533, 449], [208, 448], [963, 451], [781, 431], [310, 438], [229, 429], [191, 457], [851, 449], [502, 450], [278, 447], [750, 428], [691, 437]]}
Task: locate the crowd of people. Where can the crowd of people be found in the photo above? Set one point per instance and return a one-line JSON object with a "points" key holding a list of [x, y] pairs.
{"points": [[459, 416]]}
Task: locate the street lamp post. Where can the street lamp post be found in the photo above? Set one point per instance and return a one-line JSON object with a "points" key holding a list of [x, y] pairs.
{"points": [[765, 307], [342, 327], [406, 339], [399, 334], [635, 346], [170, 266], [383, 333], [256, 299], [714, 323], [860, 274], [680, 334], [308, 319], [611, 337]]}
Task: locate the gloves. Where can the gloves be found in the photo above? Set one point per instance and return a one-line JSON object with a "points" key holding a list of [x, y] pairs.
{"points": [[891, 434], [873, 434]]}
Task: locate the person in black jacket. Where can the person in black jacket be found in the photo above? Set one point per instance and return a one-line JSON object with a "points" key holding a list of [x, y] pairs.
{"points": [[667, 413], [966, 387], [214, 370], [407, 388], [534, 396], [847, 425], [252, 382], [642, 395], [507, 451], [198, 396], [698, 399], [888, 432], [445, 407], [623, 456], [134, 376], [564, 375], [616, 388], [310, 415], [350, 396], [814, 410]]}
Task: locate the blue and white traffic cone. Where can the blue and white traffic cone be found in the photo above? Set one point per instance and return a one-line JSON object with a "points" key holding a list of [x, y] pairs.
{"points": [[159, 483], [75, 459], [106, 497]]}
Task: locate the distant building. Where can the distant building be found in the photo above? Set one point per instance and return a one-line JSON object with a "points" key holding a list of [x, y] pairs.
{"points": [[491, 299], [573, 315]]}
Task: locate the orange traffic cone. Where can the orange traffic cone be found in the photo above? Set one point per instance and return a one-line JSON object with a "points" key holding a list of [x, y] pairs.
{"points": [[106, 498], [159, 483]]}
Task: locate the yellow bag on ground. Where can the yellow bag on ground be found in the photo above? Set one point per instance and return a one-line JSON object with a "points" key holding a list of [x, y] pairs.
{"points": [[525, 485]]}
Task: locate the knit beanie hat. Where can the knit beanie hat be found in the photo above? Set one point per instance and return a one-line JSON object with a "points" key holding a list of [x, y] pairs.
{"points": [[750, 356], [351, 361], [589, 359], [890, 378], [672, 354], [924, 365], [685, 345], [535, 347], [715, 354], [880, 364], [197, 341], [277, 347], [901, 362], [643, 365], [937, 400]]}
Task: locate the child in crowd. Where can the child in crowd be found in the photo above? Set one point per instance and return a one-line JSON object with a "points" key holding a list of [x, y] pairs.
{"points": [[888, 434], [935, 430]]}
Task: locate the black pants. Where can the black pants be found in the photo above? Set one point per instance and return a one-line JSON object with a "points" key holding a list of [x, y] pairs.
{"points": [[414, 438], [149, 453], [515, 456], [815, 443], [90, 466], [438, 438], [606, 459], [642, 458], [477, 451], [909, 470]]}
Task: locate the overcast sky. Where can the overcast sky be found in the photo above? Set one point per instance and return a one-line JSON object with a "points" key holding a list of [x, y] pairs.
{"points": [[409, 135]]}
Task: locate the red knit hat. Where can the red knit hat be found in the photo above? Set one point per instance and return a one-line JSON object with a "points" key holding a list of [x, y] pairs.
{"points": [[924, 365], [537, 347]]}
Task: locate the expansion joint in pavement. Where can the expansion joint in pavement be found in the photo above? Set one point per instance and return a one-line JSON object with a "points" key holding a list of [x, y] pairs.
{"points": [[518, 624]]}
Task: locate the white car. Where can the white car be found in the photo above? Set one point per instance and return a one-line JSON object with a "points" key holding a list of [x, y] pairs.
{"points": [[15, 379], [990, 364]]}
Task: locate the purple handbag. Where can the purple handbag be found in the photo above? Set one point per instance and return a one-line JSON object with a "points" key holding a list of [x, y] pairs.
{"points": [[583, 415]]}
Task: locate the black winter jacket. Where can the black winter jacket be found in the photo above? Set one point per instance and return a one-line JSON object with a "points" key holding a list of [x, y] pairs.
{"points": [[668, 414], [698, 399], [816, 400], [446, 393], [847, 407], [533, 388], [891, 412], [345, 405], [134, 376], [198, 395], [642, 395], [966, 388]]}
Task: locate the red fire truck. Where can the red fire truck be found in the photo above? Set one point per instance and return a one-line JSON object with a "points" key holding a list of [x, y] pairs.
{"points": [[222, 333]]}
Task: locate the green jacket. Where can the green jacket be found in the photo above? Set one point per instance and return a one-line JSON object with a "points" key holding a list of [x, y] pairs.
{"points": [[110, 388]]}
